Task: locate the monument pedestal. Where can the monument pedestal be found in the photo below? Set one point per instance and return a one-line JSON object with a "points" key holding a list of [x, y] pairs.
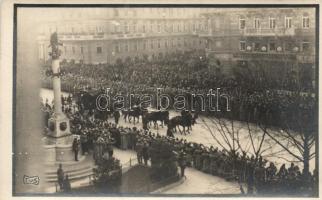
{"points": [[59, 149], [58, 142]]}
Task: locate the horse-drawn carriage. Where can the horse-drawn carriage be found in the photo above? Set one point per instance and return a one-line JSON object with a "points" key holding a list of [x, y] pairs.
{"points": [[89, 101]]}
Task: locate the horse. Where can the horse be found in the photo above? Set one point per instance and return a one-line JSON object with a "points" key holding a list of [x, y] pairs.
{"points": [[162, 116], [125, 114], [136, 112], [184, 121]]}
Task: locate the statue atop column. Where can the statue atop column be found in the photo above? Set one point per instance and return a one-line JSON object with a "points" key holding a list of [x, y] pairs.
{"points": [[59, 123], [54, 44], [58, 142]]}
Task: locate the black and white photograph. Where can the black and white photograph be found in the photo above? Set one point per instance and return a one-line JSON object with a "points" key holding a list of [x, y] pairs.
{"points": [[164, 100]]}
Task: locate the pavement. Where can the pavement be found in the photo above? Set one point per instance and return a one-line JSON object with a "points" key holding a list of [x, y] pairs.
{"points": [[196, 182]]}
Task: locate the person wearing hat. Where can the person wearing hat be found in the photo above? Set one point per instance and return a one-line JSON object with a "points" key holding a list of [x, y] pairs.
{"points": [[139, 147], [60, 176], [75, 148], [182, 162], [145, 152], [83, 140], [66, 184]]}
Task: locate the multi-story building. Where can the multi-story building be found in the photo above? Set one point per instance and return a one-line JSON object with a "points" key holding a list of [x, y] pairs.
{"points": [[241, 36], [103, 35], [275, 37]]}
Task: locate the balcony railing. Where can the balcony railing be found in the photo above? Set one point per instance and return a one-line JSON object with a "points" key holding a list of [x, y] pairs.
{"points": [[268, 32], [101, 36], [107, 36], [264, 55], [219, 32], [286, 56], [255, 32]]}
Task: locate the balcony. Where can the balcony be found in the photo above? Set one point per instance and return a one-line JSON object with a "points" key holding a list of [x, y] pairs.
{"points": [[301, 57], [100, 36], [268, 56], [249, 32], [219, 33], [268, 32], [203, 33]]}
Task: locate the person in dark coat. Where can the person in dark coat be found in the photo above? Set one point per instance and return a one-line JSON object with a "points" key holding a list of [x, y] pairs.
{"points": [[169, 133], [182, 162], [76, 148], [139, 149], [84, 140], [67, 186], [116, 115], [60, 176], [145, 153]]}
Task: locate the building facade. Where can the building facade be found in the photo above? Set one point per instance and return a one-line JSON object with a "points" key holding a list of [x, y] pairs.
{"points": [[275, 38], [269, 35], [103, 35]]}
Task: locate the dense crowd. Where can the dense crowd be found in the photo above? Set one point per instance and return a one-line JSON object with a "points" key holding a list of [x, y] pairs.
{"points": [[251, 98], [99, 137]]}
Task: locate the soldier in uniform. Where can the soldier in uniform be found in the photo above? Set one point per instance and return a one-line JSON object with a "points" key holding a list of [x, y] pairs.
{"points": [[75, 148], [84, 141], [139, 147], [60, 176], [213, 160], [182, 162], [116, 115], [271, 171], [205, 161], [145, 153], [66, 184], [198, 157]]}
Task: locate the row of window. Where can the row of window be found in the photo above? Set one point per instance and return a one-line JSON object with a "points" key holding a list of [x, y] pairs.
{"points": [[145, 45], [133, 27], [156, 44], [159, 11], [162, 27], [131, 12], [256, 46], [272, 23]]}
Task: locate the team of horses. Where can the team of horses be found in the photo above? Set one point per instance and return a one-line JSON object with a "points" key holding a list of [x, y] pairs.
{"points": [[86, 102]]}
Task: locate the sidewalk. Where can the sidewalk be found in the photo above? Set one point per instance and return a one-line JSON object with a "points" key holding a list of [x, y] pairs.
{"points": [[197, 182]]}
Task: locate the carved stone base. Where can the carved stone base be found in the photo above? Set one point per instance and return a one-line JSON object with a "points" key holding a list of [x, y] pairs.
{"points": [[58, 125], [59, 149]]}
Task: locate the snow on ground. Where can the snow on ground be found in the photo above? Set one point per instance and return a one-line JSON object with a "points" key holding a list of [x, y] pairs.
{"points": [[198, 182], [48, 94], [201, 134], [124, 156]]}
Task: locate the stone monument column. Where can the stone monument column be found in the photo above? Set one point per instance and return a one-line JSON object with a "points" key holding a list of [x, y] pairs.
{"points": [[56, 86], [58, 141]]}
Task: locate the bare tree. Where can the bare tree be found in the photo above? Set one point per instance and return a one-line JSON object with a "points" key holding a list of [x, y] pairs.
{"points": [[299, 130]]}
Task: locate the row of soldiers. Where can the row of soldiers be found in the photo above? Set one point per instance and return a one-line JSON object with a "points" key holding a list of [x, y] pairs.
{"points": [[257, 173]]}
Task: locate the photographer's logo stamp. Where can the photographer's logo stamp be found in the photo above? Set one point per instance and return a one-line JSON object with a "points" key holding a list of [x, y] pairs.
{"points": [[31, 180]]}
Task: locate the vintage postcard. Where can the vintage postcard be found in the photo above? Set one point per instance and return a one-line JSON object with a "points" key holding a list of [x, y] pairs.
{"points": [[142, 99]]}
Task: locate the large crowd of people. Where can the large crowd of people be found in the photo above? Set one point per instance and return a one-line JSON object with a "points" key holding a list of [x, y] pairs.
{"points": [[250, 98], [99, 136], [271, 102]]}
